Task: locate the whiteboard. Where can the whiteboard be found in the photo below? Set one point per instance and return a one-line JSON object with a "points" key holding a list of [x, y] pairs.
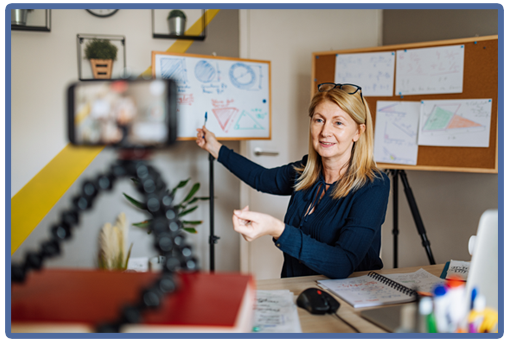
{"points": [[235, 94]]}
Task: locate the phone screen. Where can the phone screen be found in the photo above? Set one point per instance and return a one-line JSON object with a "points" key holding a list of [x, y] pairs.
{"points": [[122, 113]]}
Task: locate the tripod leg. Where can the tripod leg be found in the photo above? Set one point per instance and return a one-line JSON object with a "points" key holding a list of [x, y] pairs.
{"points": [[212, 238], [416, 216], [394, 174]]}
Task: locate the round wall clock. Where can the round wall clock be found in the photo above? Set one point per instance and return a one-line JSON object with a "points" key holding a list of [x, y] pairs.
{"points": [[102, 13]]}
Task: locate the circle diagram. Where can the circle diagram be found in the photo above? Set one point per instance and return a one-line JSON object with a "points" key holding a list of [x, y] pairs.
{"points": [[242, 76], [204, 71]]}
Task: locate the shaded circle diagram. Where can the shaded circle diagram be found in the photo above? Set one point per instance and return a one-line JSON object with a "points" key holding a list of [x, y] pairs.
{"points": [[204, 71], [242, 76]]}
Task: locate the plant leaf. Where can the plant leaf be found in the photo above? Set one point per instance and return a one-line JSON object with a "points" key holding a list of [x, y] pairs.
{"points": [[135, 202], [128, 257], [192, 222], [192, 201], [143, 225], [194, 189], [190, 230], [204, 198], [180, 185], [187, 211], [177, 207], [135, 180]]}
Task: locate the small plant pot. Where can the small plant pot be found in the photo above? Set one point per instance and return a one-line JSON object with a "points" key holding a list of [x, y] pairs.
{"points": [[18, 17], [102, 68], [177, 26]]}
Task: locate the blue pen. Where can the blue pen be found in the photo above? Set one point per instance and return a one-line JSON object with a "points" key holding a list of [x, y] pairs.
{"points": [[205, 120]]}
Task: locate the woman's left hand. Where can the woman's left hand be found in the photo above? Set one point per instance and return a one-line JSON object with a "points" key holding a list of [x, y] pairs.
{"points": [[252, 225]]}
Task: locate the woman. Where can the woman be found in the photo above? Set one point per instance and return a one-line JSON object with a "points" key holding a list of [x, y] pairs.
{"points": [[338, 195]]}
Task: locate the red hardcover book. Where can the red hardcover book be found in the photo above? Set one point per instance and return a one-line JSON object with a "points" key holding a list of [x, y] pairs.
{"points": [[58, 300]]}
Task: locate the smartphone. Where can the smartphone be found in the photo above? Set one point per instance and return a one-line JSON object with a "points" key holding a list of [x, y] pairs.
{"points": [[122, 113]]}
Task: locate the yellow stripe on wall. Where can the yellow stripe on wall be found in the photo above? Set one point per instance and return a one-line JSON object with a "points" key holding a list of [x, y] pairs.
{"points": [[31, 204]]}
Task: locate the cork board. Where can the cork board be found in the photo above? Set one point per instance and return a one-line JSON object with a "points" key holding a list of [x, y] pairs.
{"points": [[480, 81]]}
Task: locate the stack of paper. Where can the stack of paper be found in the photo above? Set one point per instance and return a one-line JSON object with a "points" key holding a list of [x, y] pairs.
{"points": [[275, 312]]}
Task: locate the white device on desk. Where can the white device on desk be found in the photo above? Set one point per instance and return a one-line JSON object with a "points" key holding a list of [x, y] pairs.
{"points": [[483, 273]]}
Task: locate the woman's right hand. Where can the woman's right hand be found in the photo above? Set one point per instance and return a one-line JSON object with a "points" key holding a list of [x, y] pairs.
{"points": [[207, 141]]}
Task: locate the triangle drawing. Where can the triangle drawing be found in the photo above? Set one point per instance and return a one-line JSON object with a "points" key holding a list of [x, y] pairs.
{"points": [[461, 122], [388, 109], [224, 116], [246, 121]]}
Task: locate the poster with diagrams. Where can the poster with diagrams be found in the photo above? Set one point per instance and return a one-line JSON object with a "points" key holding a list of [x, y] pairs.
{"points": [[374, 72], [396, 125], [437, 70], [460, 122], [235, 94]]}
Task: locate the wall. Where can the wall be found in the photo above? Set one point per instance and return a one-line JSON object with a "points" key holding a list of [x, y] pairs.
{"points": [[450, 203], [43, 64]]}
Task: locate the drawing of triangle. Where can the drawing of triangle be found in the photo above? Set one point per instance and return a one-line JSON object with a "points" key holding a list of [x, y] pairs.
{"points": [[388, 109], [461, 122], [438, 120], [246, 121], [224, 115]]}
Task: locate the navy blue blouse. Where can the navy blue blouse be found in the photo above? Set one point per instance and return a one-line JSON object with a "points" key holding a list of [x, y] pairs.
{"points": [[339, 237]]}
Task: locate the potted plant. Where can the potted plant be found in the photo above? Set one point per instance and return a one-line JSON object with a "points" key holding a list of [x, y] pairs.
{"points": [[181, 208], [101, 54], [177, 20], [113, 254], [19, 17]]}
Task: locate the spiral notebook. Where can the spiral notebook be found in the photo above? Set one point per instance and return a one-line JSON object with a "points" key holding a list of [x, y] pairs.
{"points": [[375, 289]]}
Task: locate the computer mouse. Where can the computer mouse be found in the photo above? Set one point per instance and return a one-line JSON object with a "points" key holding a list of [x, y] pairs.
{"points": [[317, 301]]}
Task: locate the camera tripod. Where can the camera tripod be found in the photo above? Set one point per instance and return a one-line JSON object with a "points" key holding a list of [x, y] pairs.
{"points": [[415, 214], [165, 225]]}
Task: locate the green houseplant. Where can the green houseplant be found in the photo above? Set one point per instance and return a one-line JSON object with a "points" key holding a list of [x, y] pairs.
{"points": [[101, 53], [183, 208], [177, 21]]}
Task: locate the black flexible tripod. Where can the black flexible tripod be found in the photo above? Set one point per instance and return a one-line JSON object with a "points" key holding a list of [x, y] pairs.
{"points": [[165, 225], [415, 214]]}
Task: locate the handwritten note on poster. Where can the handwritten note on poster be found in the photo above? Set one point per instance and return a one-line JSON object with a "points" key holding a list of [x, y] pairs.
{"points": [[434, 70], [234, 93], [396, 128], [460, 122], [374, 72]]}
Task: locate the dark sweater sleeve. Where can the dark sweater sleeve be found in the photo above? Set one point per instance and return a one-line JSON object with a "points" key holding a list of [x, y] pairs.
{"points": [[340, 259], [279, 181]]}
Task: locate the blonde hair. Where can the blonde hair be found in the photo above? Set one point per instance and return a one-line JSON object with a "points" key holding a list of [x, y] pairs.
{"points": [[361, 166]]}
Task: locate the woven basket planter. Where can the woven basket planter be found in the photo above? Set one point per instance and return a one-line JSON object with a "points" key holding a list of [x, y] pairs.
{"points": [[102, 68]]}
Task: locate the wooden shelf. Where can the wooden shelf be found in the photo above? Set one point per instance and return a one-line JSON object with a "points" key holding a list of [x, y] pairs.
{"points": [[45, 28]]}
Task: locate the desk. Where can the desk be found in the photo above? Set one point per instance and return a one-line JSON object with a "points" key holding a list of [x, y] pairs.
{"points": [[330, 323]]}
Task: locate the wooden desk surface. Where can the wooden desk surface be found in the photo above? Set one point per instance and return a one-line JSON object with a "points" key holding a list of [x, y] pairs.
{"points": [[330, 323]]}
